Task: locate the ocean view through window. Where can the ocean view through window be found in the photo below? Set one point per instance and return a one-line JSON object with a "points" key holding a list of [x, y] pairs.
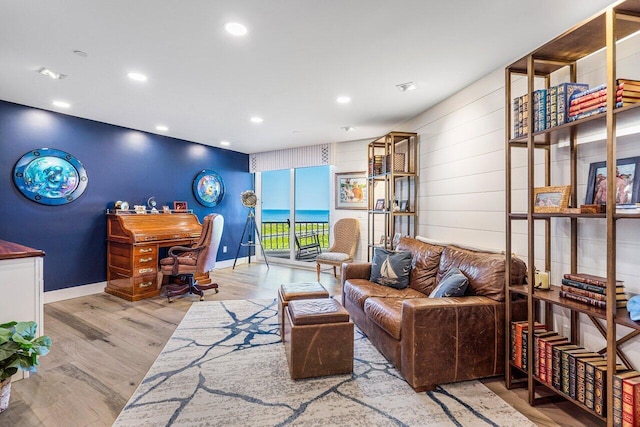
{"points": [[295, 208]]}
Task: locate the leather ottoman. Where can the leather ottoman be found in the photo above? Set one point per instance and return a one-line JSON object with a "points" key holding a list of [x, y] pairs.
{"points": [[318, 338], [295, 291]]}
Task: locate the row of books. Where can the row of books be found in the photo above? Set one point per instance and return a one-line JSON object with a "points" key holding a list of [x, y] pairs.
{"points": [[376, 165], [550, 108], [577, 372], [590, 289], [594, 101], [568, 102]]}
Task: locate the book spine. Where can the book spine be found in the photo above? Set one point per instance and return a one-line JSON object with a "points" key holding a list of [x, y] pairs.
{"points": [[515, 119], [520, 327], [630, 411], [580, 365], [599, 390], [585, 286], [525, 114], [599, 88], [553, 117], [525, 349], [536, 356], [549, 361], [565, 92], [577, 291], [564, 373], [543, 109], [586, 97], [588, 114], [617, 401], [589, 379], [581, 298], [590, 279], [543, 360], [520, 115], [560, 103], [591, 108], [591, 105], [556, 367], [547, 119], [536, 111]]}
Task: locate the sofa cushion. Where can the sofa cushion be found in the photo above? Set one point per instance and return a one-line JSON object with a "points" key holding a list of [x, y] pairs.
{"points": [[386, 313], [424, 266], [453, 284], [485, 270], [358, 290], [390, 268]]}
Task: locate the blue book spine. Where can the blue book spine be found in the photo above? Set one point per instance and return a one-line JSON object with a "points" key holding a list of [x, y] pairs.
{"points": [[564, 93], [543, 109], [577, 95], [553, 117], [584, 286]]}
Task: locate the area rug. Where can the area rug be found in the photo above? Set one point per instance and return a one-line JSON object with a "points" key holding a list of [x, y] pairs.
{"points": [[225, 365]]}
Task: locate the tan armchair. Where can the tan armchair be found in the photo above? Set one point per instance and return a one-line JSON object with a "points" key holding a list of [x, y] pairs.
{"points": [[186, 269], [346, 233]]}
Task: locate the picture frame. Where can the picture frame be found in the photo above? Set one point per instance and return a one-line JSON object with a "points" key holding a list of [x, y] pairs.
{"points": [[383, 240], [351, 190], [208, 188], [551, 199], [179, 206], [627, 185], [396, 240], [404, 206], [379, 205], [50, 176]]}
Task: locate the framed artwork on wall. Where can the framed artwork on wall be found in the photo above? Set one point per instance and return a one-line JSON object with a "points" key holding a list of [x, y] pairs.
{"points": [[50, 177], [208, 188], [351, 190]]}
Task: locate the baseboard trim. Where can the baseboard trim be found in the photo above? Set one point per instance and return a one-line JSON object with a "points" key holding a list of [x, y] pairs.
{"points": [[98, 288]]}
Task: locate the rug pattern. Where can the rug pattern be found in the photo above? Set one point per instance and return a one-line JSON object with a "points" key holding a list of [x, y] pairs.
{"points": [[225, 365]]}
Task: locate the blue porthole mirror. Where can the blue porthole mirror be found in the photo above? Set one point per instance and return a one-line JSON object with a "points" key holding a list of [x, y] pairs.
{"points": [[50, 177], [208, 188]]}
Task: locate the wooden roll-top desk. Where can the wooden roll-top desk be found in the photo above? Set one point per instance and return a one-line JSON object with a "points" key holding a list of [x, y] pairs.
{"points": [[133, 243]]}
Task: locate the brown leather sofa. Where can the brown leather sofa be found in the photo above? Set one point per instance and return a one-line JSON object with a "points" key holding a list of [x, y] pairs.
{"points": [[435, 340]]}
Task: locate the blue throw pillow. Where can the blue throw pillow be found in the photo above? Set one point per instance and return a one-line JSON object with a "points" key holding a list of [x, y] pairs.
{"points": [[391, 268], [453, 284]]}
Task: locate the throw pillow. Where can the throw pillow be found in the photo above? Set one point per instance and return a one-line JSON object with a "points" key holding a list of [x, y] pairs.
{"points": [[391, 268], [453, 284]]}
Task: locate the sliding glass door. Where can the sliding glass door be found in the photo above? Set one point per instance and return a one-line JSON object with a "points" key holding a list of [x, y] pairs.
{"points": [[295, 213]]}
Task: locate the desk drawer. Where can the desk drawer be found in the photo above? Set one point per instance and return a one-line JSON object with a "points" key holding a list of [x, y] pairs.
{"points": [[144, 284], [144, 261]]}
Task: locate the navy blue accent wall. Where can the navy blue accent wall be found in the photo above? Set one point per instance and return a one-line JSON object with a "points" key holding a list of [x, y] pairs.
{"points": [[122, 164]]}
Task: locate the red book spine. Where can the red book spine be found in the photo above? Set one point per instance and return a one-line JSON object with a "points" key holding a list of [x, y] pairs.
{"points": [[631, 402]]}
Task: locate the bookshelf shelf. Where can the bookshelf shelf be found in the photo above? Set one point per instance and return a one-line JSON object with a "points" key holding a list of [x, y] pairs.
{"points": [[392, 177], [602, 31]]}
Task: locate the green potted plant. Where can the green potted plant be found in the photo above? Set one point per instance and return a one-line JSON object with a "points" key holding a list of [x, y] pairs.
{"points": [[19, 349]]}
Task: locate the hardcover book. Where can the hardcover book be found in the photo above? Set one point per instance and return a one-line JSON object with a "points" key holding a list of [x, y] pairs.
{"points": [[620, 295], [577, 374], [564, 92], [564, 368], [631, 402], [590, 301], [589, 379], [536, 349], [543, 354], [590, 279], [553, 117], [617, 394], [591, 288], [549, 362]]}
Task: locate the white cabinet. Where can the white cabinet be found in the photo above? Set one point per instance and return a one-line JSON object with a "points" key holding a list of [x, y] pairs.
{"points": [[21, 286]]}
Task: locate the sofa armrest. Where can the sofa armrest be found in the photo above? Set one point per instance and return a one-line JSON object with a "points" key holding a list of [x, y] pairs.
{"points": [[355, 270], [451, 339]]}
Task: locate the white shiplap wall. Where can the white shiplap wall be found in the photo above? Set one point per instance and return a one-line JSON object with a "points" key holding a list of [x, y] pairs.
{"points": [[462, 182]]}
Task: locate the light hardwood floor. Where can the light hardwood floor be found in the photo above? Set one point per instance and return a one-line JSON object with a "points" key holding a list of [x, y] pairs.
{"points": [[103, 347]]}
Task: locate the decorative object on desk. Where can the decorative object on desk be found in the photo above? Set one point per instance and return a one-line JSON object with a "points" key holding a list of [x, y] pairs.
{"points": [[627, 186], [50, 177], [19, 349], [166, 209], [404, 206], [151, 202], [551, 199], [351, 190], [541, 280], [140, 209], [379, 205], [250, 200], [180, 206], [208, 188]]}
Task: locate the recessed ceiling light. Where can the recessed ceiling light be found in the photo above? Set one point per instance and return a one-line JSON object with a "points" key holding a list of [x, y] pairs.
{"points": [[257, 119], [61, 104], [235, 28], [348, 128], [81, 53], [343, 100], [403, 87], [225, 143], [137, 77], [54, 75], [162, 128]]}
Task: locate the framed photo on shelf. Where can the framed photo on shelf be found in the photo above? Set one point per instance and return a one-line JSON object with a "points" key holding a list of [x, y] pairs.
{"points": [[396, 240], [404, 206], [379, 205], [351, 190], [627, 186], [551, 199], [180, 206]]}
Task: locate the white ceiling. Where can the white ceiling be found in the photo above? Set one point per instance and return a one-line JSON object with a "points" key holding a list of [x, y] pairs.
{"points": [[297, 58]]}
